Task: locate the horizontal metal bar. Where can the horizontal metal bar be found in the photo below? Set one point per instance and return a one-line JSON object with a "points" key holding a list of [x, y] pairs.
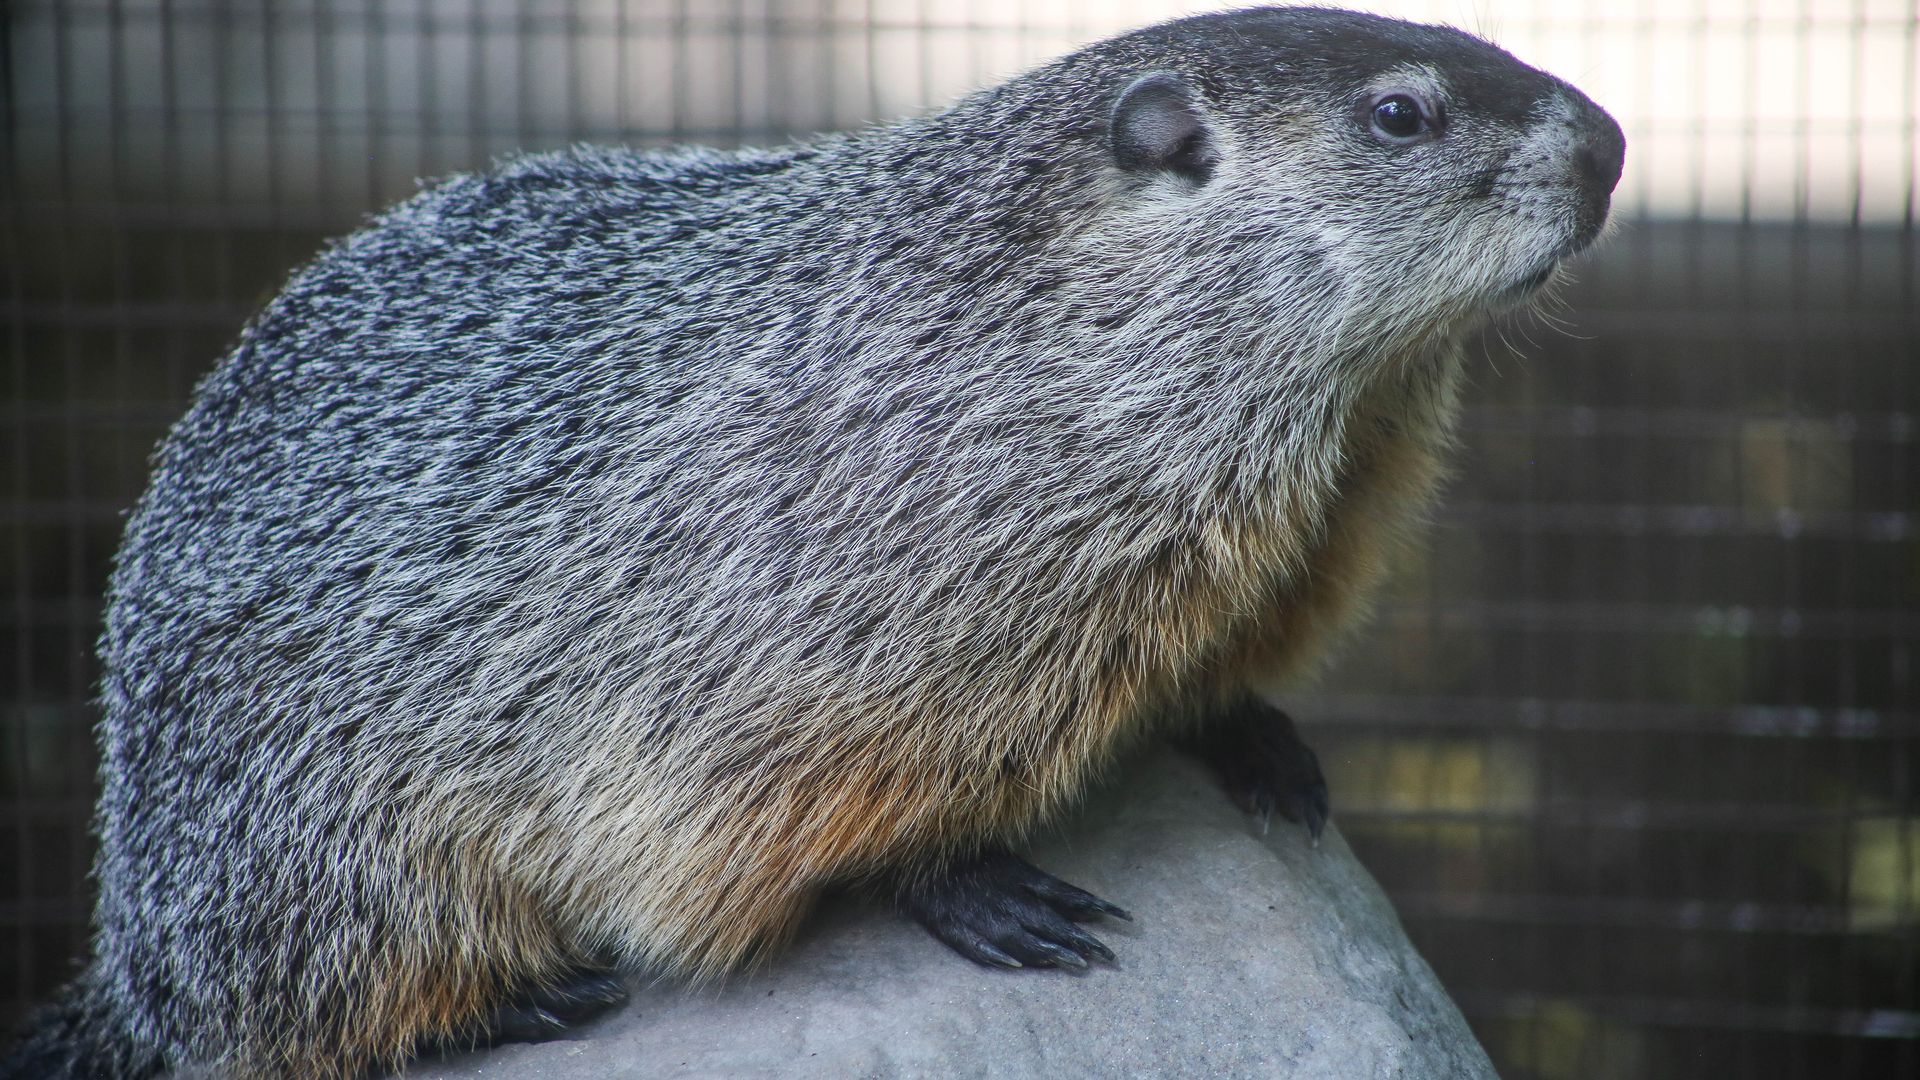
{"points": [[1584, 422], [1619, 815], [1783, 321], [560, 18], [35, 811], [1398, 714], [43, 913], [1629, 913], [1697, 1013], [1634, 519], [1720, 621], [144, 315]]}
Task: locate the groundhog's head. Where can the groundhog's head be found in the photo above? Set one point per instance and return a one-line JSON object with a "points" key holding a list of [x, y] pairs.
{"points": [[1416, 176]]}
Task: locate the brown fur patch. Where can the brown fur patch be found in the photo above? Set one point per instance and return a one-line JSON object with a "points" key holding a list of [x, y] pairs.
{"points": [[1393, 466], [455, 946]]}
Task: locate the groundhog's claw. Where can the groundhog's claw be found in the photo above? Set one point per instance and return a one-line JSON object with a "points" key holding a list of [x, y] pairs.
{"points": [[998, 909], [1265, 766], [1073, 902], [548, 1011]]}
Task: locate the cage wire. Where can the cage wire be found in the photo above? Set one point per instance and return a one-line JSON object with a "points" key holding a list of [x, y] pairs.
{"points": [[1631, 743]]}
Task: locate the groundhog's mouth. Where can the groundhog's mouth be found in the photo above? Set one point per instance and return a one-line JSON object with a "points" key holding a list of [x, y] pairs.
{"points": [[1526, 286]]}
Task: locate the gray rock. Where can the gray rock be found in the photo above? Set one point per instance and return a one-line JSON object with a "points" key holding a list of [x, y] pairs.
{"points": [[1249, 955]]}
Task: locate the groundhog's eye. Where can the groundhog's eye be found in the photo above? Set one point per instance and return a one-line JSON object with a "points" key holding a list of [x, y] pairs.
{"points": [[1400, 117]]}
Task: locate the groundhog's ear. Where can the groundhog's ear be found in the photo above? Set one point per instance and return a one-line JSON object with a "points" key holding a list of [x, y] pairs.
{"points": [[1158, 126]]}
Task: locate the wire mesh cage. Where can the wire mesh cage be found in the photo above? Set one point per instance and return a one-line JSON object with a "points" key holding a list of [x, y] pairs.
{"points": [[1633, 742]]}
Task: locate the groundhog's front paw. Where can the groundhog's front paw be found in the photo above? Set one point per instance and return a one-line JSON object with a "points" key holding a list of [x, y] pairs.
{"points": [[999, 909], [1265, 766]]}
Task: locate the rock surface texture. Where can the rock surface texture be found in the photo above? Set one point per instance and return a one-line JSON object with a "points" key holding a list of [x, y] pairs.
{"points": [[1249, 955]]}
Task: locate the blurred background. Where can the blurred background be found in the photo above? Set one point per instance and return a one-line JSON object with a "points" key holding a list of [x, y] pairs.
{"points": [[1634, 744]]}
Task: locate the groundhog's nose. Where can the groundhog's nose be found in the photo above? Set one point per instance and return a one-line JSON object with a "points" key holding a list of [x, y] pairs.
{"points": [[1601, 154]]}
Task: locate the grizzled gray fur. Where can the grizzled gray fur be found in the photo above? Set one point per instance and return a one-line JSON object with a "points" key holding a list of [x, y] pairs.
{"points": [[592, 559]]}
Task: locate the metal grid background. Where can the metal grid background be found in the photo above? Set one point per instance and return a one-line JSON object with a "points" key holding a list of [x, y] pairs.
{"points": [[1634, 744]]}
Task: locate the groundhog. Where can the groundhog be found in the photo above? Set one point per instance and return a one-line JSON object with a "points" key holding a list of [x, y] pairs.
{"points": [[591, 560]]}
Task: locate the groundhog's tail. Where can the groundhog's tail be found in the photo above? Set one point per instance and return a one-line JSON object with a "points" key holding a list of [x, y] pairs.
{"points": [[76, 1037]]}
